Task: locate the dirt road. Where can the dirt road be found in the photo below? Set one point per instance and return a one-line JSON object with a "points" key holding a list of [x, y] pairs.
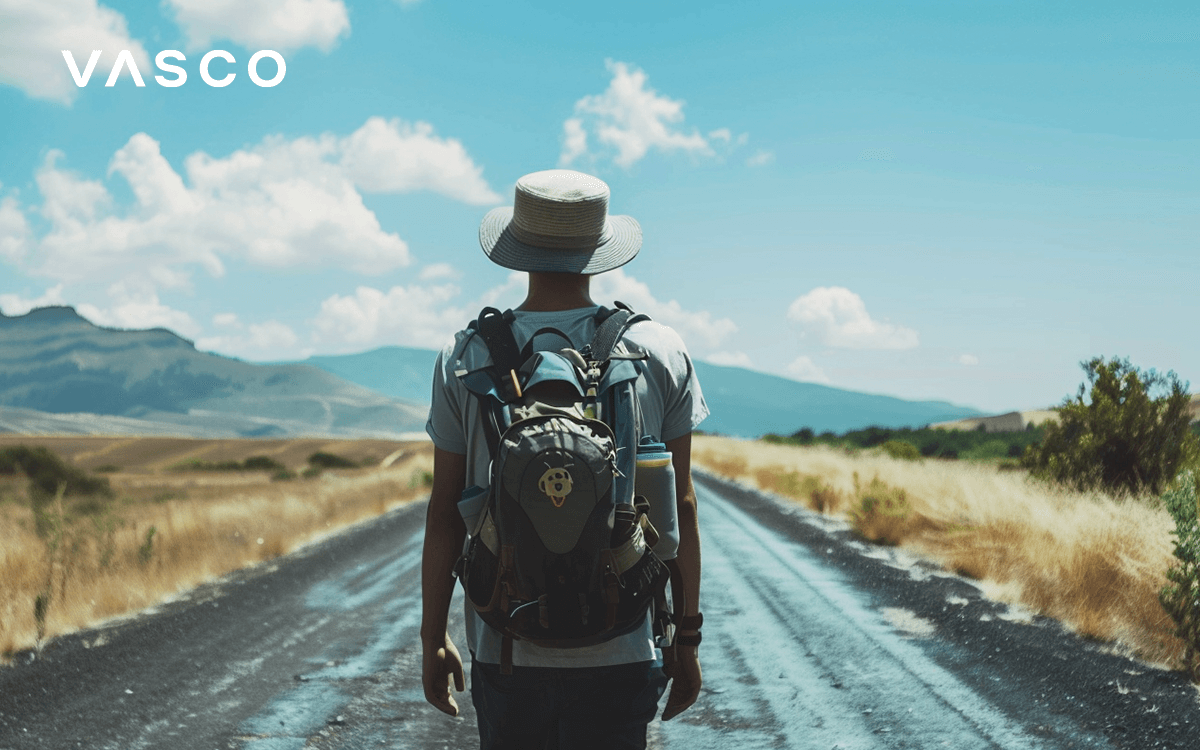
{"points": [[812, 640]]}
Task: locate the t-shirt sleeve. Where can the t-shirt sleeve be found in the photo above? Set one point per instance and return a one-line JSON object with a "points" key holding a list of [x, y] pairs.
{"points": [[683, 401], [445, 425]]}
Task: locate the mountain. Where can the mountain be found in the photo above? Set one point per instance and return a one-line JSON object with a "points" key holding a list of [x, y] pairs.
{"points": [[397, 371], [743, 402], [61, 373], [749, 404]]}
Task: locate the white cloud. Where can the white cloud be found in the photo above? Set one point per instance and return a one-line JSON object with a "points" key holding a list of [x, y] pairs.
{"points": [[804, 369], [416, 315], [262, 24], [699, 330], [968, 360], [396, 157], [14, 230], [729, 359], [427, 315], [282, 203], [438, 271], [761, 159], [226, 320], [14, 304], [136, 309], [630, 118], [34, 33], [574, 140], [259, 341], [838, 317]]}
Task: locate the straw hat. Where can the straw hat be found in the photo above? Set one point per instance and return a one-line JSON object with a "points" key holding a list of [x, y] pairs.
{"points": [[559, 222]]}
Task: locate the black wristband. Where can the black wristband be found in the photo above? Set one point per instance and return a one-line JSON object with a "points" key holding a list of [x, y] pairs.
{"points": [[694, 622], [688, 640]]}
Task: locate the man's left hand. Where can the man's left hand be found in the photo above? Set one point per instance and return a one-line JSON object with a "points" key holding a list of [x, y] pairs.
{"points": [[686, 681]]}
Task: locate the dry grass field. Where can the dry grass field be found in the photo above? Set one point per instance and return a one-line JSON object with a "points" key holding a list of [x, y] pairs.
{"points": [[1090, 561], [166, 530]]}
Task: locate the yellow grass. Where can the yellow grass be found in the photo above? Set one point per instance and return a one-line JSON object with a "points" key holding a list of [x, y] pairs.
{"points": [[1088, 560], [206, 524]]}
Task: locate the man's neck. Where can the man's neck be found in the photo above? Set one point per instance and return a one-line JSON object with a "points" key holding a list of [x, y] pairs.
{"points": [[552, 292]]}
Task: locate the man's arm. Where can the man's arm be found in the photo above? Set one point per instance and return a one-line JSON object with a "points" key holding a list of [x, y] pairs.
{"points": [[685, 580], [444, 534]]}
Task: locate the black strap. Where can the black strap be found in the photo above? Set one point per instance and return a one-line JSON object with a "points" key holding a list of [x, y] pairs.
{"points": [[527, 351], [610, 327], [496, 329]]}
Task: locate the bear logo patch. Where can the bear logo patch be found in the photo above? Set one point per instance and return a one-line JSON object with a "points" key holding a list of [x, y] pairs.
{"points": [[556, 484]]}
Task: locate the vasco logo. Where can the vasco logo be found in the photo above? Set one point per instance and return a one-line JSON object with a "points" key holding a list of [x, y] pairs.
{"points": [[125, 59]]}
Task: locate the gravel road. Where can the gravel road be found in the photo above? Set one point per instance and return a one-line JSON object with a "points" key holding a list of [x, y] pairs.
{"points": [[812, 640]]}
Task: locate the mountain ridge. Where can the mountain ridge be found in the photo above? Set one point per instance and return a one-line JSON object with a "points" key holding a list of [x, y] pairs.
{"points": [[53, 362]]}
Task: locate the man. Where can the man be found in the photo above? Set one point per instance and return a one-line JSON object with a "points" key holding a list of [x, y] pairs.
{"points": [[604, 695]]}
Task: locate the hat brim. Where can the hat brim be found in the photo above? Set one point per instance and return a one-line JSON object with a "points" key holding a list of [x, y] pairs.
{"points": [[624, 240]]}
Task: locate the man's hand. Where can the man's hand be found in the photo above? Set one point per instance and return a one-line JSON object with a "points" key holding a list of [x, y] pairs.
{"points": [[441, 662], [684, 672]]}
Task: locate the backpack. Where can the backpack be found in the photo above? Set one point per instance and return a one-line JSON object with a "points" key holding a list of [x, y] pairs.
{"points": [[561, 554]]}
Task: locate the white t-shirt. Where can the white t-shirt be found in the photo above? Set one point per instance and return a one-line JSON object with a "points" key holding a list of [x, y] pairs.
{"points": [[671, 403]]}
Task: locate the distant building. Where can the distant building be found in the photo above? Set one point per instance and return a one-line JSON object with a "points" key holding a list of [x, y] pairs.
{"points": [[1013, 421], [1016, 421]]}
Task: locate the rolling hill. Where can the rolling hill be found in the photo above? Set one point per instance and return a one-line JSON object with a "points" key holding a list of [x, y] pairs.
{"points": [[61, 373]]}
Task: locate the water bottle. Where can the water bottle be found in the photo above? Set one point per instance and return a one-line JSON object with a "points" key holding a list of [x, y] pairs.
{"points": [[655, 481]]}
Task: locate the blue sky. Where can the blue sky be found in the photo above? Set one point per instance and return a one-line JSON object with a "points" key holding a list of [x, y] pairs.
{"points": [[946, 200]]}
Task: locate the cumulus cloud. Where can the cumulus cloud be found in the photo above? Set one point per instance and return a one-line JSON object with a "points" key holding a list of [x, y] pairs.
{"points": [[416, 315], [630, 118], [262, 24], [729, 359], [136, 308], [14, 304], [427, 315], [268, 340], [14, 230], [438, 271], [281, 203], [968, 360], [699, 329], [392, 156], [838, 317], [761, 159], [804, 369], [34, 33]]}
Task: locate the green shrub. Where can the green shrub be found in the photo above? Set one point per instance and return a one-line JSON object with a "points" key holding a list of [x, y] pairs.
{"points": [[1181, 597], [1130, 435], [421, 479], [262, 463], [330, 461], [901, 449], [283, 475], [47, 471]]}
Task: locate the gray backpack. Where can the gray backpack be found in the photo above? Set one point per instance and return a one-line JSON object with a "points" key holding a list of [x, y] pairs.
{"points": [[561, 554]]}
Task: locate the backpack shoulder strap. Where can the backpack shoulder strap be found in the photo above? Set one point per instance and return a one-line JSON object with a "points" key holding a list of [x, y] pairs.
{"points": [[495, 328], [610, 327]]}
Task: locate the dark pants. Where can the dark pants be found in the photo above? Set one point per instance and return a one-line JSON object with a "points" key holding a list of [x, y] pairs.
{"points": [[544, 708]]}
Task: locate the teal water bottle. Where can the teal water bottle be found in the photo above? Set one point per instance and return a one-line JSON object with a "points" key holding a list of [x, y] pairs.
{"points": [[655, 480]]}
